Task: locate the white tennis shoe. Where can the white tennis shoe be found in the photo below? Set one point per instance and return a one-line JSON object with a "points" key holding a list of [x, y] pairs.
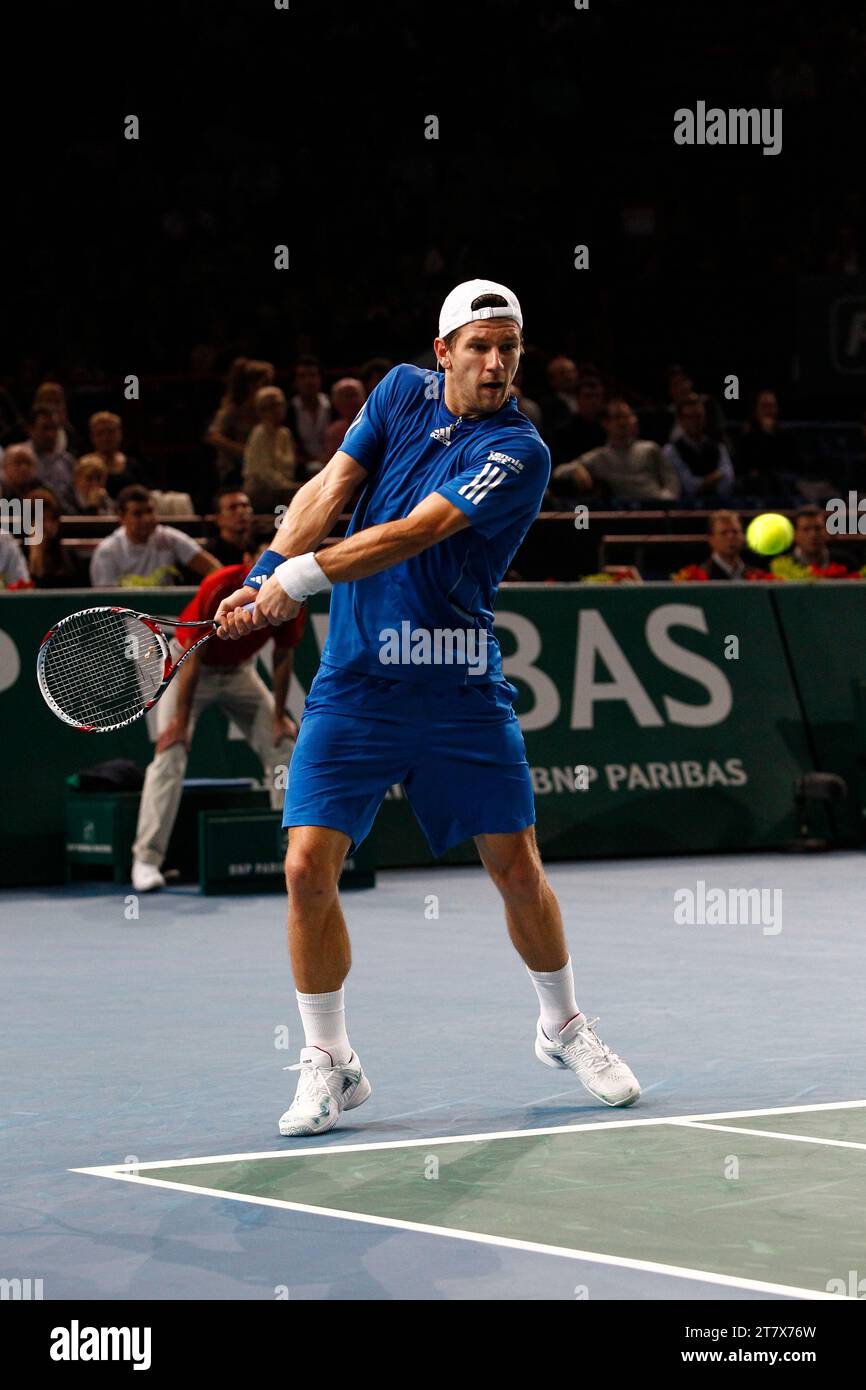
{"points": [[579, 1048], [146, 877], [324, 1092]]}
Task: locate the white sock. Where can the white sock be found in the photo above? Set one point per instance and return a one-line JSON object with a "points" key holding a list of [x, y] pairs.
{"points": [[555, 990], [324, 1020]]}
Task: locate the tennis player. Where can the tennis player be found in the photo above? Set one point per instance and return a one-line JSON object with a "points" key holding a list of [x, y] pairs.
{"points": [[410, 687]]}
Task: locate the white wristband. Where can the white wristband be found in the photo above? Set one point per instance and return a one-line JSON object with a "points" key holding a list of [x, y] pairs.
{"points": [[301, 576]]}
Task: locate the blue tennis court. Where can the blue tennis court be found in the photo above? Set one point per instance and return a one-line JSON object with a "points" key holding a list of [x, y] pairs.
{"points": [[148, 1050]]}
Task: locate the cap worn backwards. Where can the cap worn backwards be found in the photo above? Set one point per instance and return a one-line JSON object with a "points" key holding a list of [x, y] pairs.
{"points": [[475, 300]]}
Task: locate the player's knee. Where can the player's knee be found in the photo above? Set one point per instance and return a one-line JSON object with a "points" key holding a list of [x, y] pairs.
{"points": [[520, 876], [308, 877]]}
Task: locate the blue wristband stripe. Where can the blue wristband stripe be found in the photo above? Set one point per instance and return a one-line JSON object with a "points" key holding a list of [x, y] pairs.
{"points": [[264, 568]]}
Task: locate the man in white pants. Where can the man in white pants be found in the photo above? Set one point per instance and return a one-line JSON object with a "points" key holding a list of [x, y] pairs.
{"points": [[223, 675]]}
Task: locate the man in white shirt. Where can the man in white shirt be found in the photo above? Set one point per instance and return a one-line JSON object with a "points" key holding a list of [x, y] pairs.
{"points": [[142, 553], [631, 469], [311, 414]]}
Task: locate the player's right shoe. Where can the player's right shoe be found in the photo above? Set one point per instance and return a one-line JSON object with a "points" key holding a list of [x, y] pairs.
{"points": [[146, 877], [324, 1092]]}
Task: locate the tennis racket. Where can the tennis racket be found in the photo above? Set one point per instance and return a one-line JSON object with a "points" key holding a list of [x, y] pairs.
{"points": [[103, 668]]}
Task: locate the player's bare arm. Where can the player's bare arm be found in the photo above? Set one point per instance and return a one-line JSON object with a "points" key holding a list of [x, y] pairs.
{"points": [[367, 552], [310, 518]]}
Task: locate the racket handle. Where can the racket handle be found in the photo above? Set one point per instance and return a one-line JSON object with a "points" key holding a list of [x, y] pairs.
{"points": [[247, 608]]}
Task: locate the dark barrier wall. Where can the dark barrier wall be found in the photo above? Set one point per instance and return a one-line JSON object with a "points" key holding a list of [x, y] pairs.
{"points": [[692, 708]]}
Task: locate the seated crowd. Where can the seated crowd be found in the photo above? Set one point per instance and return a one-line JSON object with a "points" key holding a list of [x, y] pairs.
{"points": [[606, 452]]}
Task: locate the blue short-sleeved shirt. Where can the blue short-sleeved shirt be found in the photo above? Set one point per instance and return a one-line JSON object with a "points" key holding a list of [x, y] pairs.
{"points": [[406, 621]]}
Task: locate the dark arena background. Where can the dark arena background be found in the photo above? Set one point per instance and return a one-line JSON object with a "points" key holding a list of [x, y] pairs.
{"points": [[207, 201]]}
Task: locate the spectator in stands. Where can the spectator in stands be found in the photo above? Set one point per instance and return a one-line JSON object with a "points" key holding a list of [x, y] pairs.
{"points": [[530, 408], [767, 458], [560, 403], [12, 426], [140, 552], [230, 537], [703, 465], [270, 458], [233, 422], [311, 414], [19, 472], [13, 571], [106, 436], [347, 397], [811, 541], [631, 470], [52, 394], [680, 385], [583, 430], [373, 371], [727, 544], [54, 465], [224, 674], [50, 563], [89, 494]]}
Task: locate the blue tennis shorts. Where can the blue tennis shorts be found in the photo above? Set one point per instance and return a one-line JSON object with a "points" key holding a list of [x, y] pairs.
{"points": [[458, 753]]}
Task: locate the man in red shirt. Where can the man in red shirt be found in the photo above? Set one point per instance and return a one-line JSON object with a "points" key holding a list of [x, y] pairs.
{"points": [[224, 674]]}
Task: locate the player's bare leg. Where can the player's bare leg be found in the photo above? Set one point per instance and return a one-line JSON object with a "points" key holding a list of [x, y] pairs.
{"points": [[564, 1036], [331, 1079], [318, 940], [532, 912]]}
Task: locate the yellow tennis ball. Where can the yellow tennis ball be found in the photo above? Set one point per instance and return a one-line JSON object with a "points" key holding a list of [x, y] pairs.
{"points": [[769, 534]]}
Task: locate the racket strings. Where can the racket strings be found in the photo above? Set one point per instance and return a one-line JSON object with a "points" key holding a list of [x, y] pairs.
{"points": [[101, 669]]}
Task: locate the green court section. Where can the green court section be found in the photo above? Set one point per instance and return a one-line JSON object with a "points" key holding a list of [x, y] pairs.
{"points": [[847, 1125], [734, 1204]]}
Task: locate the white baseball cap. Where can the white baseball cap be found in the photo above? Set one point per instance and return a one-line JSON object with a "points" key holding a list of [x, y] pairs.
{"points": [[462, 306]]}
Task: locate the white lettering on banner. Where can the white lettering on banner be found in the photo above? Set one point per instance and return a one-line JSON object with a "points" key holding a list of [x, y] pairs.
{"points": [[687, 775], [521, 664], [594, 639], [687, 663], [596, 642]]}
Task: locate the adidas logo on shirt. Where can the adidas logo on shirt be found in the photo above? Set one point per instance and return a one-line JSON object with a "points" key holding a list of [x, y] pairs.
{"points": [[444, 433]]}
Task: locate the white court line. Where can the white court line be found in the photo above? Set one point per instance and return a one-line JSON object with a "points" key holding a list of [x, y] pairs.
{"points": [[110, 1169], [770, 1134], [480, 1237], [129, 1173]]}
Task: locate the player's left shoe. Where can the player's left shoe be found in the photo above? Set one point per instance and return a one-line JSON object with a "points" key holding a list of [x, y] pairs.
{"points": [[579, 1048], [324, 1092]]}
